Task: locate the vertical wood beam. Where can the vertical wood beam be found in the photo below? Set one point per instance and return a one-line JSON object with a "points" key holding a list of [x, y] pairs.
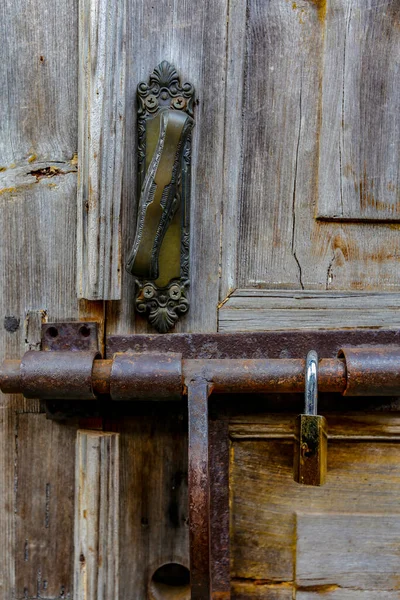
{"points": [[96, 564], [102, 66]]}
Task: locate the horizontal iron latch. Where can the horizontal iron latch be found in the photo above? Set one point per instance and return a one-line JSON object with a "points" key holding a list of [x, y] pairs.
{"points": [[161, 367], [84, 375]]}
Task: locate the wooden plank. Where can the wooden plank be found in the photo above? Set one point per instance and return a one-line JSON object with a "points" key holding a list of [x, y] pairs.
{"points": [[353, 551], [96, 562], [359, 151], [235, 90], [340, 594], [102, 75], [248, 590], [7, 498], [363, 483], [154, 525], [261, 310], [40, 87], [277, 242], [38, 156], [284, 44], [370, 426], [44, 507], [192, 36]]}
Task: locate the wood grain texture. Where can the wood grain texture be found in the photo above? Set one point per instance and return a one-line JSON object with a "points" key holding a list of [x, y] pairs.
{"points": [[286, 138], [192, 36], [44, 507], [340, 594], [277, 525], [247, 590], [350, 550], [102, 75], [283, 45], [154, 527], [38, 146], [233, 163], [363, 426], [96, 529], [263, 310], [8, 419], [359, 153]]}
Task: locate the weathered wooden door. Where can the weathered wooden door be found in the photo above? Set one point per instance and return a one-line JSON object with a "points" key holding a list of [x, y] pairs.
{"points": [[294, 225]]}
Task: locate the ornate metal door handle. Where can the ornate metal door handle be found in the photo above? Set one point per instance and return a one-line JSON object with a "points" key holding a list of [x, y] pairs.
{"points": [[159, 259]]}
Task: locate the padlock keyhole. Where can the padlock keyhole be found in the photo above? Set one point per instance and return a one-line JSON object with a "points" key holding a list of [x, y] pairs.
{"points": [[306, 451]]}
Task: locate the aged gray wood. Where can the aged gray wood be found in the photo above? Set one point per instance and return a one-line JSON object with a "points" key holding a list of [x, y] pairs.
{"points": [[102, 74], [96, 530], [261, 310], [38, 133], [235, 79], [340, 594], [283, 47], [192, 36], [286, 118], [44, 489], [349, 550], [360, 151]]}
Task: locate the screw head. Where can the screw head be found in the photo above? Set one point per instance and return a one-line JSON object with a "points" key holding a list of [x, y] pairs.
{"points": [[151, 102], [175, 292], [148, 292], [179, 103]]}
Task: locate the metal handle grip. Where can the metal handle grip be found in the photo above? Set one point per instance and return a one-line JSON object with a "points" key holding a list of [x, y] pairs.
{"points": [[159, 198]]}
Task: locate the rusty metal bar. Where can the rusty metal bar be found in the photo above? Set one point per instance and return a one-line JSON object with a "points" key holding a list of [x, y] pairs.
{"points": [[372, 371], [58, 375], [365, 371], [153, 376], [199, 490], [146, 375], [264, 375]]}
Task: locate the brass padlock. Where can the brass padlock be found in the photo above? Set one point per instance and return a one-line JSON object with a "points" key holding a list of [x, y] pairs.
{"points": [[310, 437]]}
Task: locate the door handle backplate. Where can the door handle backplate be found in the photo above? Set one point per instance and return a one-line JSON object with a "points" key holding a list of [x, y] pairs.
{"points": [[159, 258]]}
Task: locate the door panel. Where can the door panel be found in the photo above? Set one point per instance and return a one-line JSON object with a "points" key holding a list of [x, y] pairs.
{"points": [[343, 537], [314, 139]]}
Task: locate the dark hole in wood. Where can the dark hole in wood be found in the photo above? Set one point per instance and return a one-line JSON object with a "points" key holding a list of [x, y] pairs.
{"points": [[52, 332], [170, 582], [172, 574]]}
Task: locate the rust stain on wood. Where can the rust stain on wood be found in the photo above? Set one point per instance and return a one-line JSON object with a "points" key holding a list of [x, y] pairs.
{"points": [[321, 7]]}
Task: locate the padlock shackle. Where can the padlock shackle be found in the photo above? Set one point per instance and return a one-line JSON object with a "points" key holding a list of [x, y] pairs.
{"points": [[311, 384]]}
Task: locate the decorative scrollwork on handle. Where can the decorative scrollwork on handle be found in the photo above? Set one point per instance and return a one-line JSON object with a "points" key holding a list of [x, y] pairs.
{"points": [[159, 259]]}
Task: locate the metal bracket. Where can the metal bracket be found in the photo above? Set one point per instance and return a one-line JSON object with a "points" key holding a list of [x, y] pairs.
{"points": [[72, 336], [159, 259]]}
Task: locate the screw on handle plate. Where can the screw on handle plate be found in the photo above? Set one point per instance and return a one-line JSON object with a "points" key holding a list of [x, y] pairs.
{"points": [[310, 437]]}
